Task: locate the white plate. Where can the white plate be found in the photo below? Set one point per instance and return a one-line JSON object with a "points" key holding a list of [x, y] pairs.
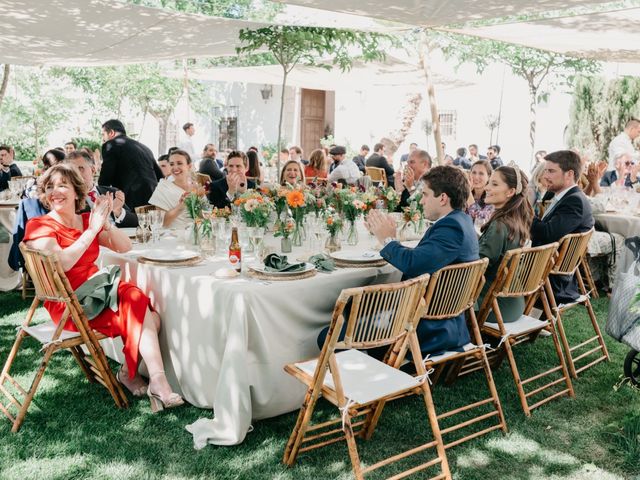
{"points": [[170, 255], [357, 257], [262, 269], [129, 232]]}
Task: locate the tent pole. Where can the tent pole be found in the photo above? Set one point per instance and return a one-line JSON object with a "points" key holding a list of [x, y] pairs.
{"points": [[435, 118]]}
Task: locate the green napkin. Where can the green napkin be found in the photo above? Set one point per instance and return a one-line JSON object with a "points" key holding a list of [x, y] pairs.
{"points": [[323, 263], [100, 291], [278, 263]]}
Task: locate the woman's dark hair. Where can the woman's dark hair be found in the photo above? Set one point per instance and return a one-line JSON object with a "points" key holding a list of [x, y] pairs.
{"points": [[449, 180], [254, 164], [177, 151], [517, 213], [72, 175], [318, 160], [58, 157]]}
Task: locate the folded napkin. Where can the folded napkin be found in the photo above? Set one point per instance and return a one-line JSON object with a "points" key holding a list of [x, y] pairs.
{"points": [[100, 291], [323, 263], [278, 263]]}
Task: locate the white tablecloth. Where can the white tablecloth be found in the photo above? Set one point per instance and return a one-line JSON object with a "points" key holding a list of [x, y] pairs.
{"points": [[225, 342], [9, 279], [627, 226]]}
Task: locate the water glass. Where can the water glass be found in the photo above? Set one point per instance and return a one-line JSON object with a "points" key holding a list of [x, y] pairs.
{"points": [[157, 222]]}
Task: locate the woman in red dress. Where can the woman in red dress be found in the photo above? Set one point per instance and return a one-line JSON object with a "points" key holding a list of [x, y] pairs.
{"points": [[75, 239]]}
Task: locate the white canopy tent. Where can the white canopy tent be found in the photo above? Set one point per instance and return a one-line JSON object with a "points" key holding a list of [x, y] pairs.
{"points": [[607, 36], [440, 12]]}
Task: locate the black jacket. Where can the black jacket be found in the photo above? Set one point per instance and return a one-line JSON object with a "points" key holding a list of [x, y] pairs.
{"points": [[210, 167], [379, 161], [218, 192], [129, 166], [130, 219], [14, 171], [572, 214]]}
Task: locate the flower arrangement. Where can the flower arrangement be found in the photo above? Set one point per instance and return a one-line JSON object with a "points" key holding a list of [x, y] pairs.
{"points": [[297, 203], [285, 228], [370, 198], [195, 204], [353, 207], [220, 212], [333, 223], [254, 208], [391, 198]]}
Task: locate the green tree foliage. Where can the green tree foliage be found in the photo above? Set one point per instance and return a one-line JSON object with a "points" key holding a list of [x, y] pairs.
{"points": [[534, 66], [599, 111], [37, 109], [313, 46], [241, 9]]}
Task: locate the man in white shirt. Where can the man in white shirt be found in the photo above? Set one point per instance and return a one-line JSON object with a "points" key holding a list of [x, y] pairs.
{"points": [[623, 143], [187, 145], [346, 170]]}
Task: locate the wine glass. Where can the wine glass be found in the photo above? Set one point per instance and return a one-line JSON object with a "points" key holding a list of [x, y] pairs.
{"points": [[256, 235], [157, 221]]}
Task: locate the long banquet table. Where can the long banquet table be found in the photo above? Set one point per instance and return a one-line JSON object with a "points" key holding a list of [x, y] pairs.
{"points": [[625, 224], [225, 341], [9, 279]]}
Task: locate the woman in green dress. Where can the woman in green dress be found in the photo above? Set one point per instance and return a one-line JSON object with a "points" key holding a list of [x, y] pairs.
{"points": [[508, 228]]}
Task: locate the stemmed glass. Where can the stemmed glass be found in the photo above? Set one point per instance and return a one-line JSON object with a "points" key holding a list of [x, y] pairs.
{"points": [[143, 225], [157, 221]]}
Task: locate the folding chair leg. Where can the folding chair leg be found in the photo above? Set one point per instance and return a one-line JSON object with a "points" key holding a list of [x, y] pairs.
{"points": [[559, 327], [516, 377], [596, 327], [494, 392], [78, 354], [565, 372], [586, 270], [32, 390], [302, 422], [353, 448]]}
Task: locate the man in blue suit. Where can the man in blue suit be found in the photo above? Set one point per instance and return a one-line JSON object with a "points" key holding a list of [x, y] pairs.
{"points": [[451, 239]]}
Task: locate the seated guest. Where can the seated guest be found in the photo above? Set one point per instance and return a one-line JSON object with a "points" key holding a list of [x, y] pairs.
{"points": [[163, 163], [223, 191], [208, 164], [122, 215], [292, 173], [8, 169], [169, 195], [53, 156], [569, 212], [625, 174], [452, 239], [317, 167], [76, 240], [378, 160], [344, 170], [295, 153], [507, 229], [361, 158], [461, 159], [29, 208], [477, 207], [254, 172], [408, 183]]}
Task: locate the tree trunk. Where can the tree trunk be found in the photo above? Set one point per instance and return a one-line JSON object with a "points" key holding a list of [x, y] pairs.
{"points": [[533, 105], [5, 82], [407, 115], [279, 144], [163, 121], [435, 118]]}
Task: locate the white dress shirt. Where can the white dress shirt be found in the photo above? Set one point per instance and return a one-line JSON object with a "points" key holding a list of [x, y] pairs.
{"points": [[347, 170], [621, 144]]}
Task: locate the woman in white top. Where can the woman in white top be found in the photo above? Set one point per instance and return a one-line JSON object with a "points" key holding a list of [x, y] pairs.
{"points": [[169, 195]]}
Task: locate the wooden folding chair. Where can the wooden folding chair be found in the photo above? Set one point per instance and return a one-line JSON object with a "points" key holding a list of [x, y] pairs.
{"points": [[51, 284], [378, 316], [571, 256], [145, 209], [523, 273], [378, 175], [585, 270], [27, 288], [452, 291], [202, 178]]}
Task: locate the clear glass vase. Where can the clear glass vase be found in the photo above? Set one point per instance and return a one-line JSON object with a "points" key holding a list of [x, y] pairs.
{"points": [[352, 234], [333, 243], [296, 237], [285, 245]]}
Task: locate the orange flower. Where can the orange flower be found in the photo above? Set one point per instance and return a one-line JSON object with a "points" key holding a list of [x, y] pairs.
{"points": [[330, 221], [295, 199], [238, 202]]}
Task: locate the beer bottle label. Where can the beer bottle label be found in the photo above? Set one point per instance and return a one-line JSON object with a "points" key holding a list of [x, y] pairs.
{"points": [[235, 259]]}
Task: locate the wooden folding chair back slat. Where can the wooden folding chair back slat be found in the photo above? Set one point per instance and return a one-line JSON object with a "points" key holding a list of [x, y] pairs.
{"points": [[571, 260], [454, 289], [376, 316], [572, 250], [377, 175], [145, 209], [524, 272], [52, 284]]}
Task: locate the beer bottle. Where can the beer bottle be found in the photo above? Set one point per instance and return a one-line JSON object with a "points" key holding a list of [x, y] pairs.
{"points": [[235, 251]]}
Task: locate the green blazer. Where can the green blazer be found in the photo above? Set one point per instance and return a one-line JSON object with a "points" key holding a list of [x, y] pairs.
{"points": [[494, 243]]}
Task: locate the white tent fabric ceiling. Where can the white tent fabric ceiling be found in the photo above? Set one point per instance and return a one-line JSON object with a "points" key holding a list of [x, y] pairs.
{"points": [[440, 12], [610, 36]]}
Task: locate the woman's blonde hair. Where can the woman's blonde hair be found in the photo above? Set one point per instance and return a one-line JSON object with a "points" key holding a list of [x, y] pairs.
{"points": [[282, 182], [69, 173]]}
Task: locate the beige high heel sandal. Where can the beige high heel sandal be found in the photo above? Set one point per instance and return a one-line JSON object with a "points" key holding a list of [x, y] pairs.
{"points": [[158, 404]]}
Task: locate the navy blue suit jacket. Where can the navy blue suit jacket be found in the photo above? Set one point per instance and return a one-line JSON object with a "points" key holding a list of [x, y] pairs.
{"points": [[218, 192], [450, 240], [572, 214], [28, 208]]}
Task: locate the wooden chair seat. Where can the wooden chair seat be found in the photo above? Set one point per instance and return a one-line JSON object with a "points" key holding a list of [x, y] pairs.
{"points": [[377, 175], [52, 284], [445, 356], [524, 325], [381, 380]]}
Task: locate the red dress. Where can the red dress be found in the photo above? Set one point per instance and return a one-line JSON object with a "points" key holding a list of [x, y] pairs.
{"points": [[132, 303], [310, 172]]}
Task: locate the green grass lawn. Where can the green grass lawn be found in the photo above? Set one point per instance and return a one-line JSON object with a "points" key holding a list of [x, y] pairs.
{"points": [[73, 430]]}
